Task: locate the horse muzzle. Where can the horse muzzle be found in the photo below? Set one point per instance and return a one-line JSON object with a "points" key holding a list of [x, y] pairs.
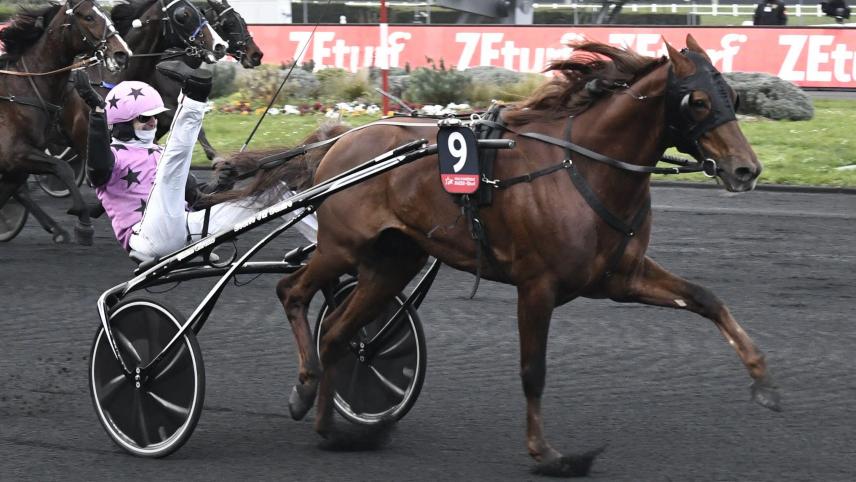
{"points": [[742, 178], [251, 60], [220, 51], [116, 62]]}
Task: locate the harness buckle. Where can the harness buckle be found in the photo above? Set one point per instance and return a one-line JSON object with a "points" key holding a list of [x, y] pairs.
{"points": [[492, 182], [567, 163], [709, 168]]}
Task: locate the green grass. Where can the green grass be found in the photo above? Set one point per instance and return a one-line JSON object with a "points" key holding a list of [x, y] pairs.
{"points": [[797, 153], [228, 132]]}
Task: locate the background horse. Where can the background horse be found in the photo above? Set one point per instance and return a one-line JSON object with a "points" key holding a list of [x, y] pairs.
{"points": [[182, 26], [40, 41], [233, 28], [554, 236], [153, 42]]}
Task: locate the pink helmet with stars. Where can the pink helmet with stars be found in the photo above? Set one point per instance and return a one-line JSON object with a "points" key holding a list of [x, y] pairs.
{"points": [[130, 99]]}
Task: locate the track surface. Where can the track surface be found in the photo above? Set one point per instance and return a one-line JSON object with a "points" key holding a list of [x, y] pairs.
{"points": [[659, 386]]}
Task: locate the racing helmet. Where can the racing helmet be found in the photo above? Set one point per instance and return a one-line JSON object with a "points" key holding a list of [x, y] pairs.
{"points": [[130, 99]]}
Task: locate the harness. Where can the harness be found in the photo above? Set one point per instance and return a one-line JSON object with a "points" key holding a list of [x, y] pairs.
{"points": [[53, 110], [241, 39], [190, 48]]}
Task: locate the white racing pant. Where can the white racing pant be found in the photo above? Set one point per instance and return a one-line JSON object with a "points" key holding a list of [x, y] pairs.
{"points": [[166, 226]]}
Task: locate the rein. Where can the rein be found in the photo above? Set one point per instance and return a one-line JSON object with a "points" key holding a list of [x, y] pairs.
{"points": [[708, 166], [76, 65]]}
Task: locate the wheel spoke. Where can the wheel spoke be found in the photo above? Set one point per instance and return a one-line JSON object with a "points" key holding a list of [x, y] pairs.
{"points": [[108, 390], [386, 383], [399, 348], [153, 324], [127, 345], [141, 419], [170, 368], [176, 412], [352, 384]]}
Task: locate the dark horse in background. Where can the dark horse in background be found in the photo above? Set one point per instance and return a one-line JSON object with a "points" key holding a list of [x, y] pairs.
{"points": [[153, 42], [554, 237], [36, 42], [152, 33], [233, 28]]}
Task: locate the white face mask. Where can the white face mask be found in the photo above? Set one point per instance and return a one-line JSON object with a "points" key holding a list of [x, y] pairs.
{"points": [[147, 136]]}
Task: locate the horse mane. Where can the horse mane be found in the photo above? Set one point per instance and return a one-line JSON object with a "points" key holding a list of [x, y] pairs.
{"points": [[589, 75], [24, 29], [124, 14], [270, 186]]}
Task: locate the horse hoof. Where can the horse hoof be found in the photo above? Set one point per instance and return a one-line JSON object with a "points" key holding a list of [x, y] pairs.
{"points": [[301, 400], [766, 394], [60, 236], [568, 465], [357, 438], [84, 234]]}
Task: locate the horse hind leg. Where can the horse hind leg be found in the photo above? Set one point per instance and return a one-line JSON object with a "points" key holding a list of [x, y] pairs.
{"points": [[58, 234], [653, 285], [295, 292], [394, 261]]}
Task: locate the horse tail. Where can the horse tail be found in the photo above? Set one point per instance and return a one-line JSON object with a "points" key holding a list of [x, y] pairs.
{"points": [[271, 185]]}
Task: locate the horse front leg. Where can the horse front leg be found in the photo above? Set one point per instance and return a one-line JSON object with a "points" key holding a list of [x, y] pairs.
{"points": [[83, 231], [653, 285], [535, 303], [209, 150]]}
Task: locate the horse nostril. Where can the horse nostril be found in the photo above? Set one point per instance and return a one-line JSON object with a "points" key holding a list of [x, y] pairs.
{"points": [[745, 174], [121, 58], [257, 58], [220, 49]]}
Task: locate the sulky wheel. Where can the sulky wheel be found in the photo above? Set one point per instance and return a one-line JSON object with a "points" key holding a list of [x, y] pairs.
{"points": [[52, 184], [156, 418], [386, 382], [13, 217]]}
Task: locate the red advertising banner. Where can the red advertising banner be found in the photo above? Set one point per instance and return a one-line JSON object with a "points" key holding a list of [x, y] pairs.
{"points": [[809, 57]]}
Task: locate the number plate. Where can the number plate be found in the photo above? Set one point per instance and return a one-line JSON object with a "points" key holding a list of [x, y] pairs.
{"points": [[459, 160]]}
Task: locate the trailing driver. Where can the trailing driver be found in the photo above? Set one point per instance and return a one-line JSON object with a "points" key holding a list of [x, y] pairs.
{"points": [[147, 191], [770, 12]]}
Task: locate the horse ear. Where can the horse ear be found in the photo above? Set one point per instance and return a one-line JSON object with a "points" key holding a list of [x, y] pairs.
{"points": [[682, 65], [695, 47]]}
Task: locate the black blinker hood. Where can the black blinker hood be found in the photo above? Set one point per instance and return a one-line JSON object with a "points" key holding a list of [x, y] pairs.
{"points": [[683, 131]]}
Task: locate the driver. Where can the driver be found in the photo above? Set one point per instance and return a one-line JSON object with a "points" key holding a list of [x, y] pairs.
{"points": [[147, 191]]}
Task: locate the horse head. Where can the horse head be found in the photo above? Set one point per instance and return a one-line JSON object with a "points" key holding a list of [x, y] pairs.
{"points": [[701, 119], [93, 32], [232, 26], [181, 24]]}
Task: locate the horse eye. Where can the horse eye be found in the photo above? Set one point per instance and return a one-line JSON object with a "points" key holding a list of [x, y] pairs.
{"points": [[89, 18], [698, 103], [180, 15]]}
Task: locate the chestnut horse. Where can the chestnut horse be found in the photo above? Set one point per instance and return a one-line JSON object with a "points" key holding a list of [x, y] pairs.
{"points": [[554, 236], [41, 47]]}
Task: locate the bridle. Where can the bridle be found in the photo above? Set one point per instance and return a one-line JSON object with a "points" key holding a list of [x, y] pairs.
{"points": [[189, 39], [238, 41], [684, 132], [169, 17], [98, 45]]}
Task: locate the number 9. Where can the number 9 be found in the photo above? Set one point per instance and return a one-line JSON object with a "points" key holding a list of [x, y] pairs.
{"points": [[458, 149]]}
